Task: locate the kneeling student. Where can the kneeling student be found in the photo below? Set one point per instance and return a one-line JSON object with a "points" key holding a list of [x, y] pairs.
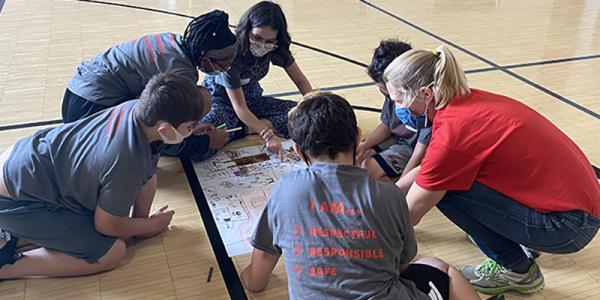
{"points": [[70, 189], [342, 234]]}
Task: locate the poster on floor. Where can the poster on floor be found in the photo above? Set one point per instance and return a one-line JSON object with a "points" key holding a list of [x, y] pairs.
{"points": [[237, 184]]}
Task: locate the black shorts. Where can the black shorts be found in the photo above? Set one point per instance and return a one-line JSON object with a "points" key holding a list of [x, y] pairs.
{"points": [[75, 107], [53, 227], [429, 280]]}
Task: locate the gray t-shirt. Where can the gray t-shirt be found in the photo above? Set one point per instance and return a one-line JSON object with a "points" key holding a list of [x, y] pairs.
{"points": [[342, 234], [389, 118], [121, 72], [100, 160]]}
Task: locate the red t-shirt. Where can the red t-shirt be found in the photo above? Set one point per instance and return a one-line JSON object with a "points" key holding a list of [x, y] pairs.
{"points": [[507, 146]]}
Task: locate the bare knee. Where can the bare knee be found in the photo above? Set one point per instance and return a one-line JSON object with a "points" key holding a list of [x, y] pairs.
{"points": [[373, 168], [113, 256], [434, 262]]}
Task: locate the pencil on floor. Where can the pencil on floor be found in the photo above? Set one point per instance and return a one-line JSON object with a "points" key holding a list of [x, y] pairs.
{"points": [[210, 271]]}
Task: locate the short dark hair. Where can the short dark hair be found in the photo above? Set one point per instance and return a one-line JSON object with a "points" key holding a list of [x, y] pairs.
{"points": [[383, 55], [171, 98], [264, 14], [323, 124]]}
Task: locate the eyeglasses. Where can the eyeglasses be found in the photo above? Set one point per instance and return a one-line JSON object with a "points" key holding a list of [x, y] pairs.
{"points": [[404, 97], [259, 39]]}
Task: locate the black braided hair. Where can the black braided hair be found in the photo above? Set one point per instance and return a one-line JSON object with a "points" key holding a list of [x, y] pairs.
{"points": [[207, 32]]}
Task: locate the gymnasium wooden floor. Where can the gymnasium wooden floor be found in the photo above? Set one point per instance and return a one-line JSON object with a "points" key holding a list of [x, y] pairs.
{"points": [[544, 53]]}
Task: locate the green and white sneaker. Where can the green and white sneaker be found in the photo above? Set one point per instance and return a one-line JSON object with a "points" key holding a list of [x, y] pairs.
{"points": [[491, 278]]}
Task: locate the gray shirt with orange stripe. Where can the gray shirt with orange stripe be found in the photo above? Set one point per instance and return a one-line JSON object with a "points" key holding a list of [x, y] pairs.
{"points": [[121, 72], [102, 160], [342, 234]]}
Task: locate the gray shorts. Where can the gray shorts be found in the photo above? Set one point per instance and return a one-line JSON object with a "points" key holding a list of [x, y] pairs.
{"points": [[56, 228], [392, 156]]}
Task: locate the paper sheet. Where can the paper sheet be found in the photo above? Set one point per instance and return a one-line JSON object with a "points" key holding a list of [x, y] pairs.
{"points": [[237, 184]]}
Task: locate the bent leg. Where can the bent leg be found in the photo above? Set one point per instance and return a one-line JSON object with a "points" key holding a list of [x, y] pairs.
{"points": [[458, 286], [52, 263], [70, 244]]}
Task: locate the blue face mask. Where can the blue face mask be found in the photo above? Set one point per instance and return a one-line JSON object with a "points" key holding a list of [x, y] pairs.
{"points": [[411, 121]]}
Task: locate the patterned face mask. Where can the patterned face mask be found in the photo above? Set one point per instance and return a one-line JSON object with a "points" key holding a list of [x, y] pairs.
{"points": [[259, 49]]}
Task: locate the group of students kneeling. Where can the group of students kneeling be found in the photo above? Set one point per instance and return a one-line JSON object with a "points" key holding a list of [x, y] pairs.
{"points": [[345, 230]]}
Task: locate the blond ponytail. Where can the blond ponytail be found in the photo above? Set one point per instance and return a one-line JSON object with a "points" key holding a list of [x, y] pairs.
{"points": [[418, 68], [448, 77]]}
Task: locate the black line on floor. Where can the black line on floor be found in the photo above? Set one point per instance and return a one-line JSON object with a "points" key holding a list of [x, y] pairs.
{"points": [[32, 124], [348, 86], [552, 61], [167, 12], [352, 61], [487, 61], [335, 55], [330, 88], [228, 270]]}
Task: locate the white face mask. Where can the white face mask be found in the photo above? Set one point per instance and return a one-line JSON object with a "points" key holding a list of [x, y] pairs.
{"points": [[259, 49], [178, 137]]}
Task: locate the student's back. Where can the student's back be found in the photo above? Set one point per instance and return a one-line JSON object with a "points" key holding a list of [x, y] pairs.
{"points": [[121, 72], [102, 160], [75, 192], [341, 233]]}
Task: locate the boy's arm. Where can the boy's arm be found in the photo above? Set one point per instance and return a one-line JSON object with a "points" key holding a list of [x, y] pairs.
{"points": [[415, 159], [125, 227], [256, 276], [111, 214], [143, 201], [379, 134]]}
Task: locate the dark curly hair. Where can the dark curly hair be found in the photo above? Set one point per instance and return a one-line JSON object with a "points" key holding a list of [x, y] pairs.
{"points": [[383, 55]]}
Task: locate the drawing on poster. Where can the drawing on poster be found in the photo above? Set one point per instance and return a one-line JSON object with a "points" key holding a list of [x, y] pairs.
{"points": [[237, 184]]}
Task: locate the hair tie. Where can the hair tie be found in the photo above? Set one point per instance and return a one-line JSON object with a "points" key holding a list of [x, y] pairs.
{"points": [[435, 53]]}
